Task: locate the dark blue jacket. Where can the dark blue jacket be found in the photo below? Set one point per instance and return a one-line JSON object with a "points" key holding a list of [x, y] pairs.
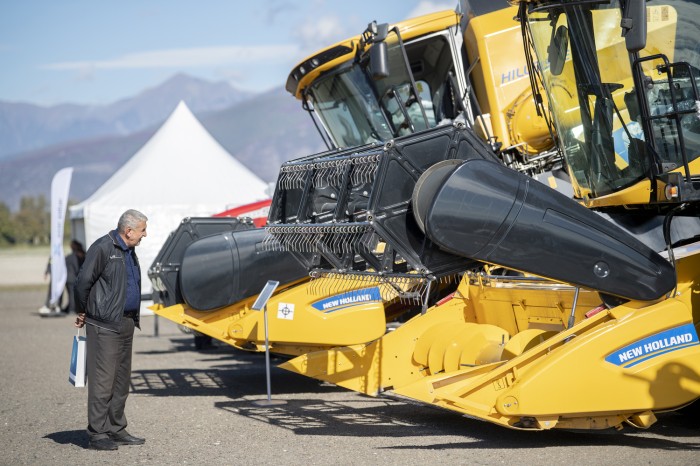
{"points": [[100, 289]]}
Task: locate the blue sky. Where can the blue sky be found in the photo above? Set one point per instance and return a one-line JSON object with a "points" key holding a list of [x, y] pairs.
{"points": [[97, 52]]}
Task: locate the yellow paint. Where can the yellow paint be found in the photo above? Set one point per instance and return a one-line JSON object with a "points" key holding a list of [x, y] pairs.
{"points": [[544, 379], [310, 329]]}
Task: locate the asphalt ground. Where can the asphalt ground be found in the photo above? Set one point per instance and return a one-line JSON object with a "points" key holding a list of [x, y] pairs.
{"points": [[199, 408]]}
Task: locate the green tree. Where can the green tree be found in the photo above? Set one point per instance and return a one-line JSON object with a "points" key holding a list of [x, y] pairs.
{"points": [[7, 234], [32, 221]]}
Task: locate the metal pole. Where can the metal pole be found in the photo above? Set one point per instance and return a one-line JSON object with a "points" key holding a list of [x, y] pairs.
{"points": [[261, 304], [572, 317], [426, 296], [267, 357]]}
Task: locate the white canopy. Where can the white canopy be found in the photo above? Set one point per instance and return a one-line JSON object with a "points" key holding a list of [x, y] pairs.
{"points": [[182, 171]]}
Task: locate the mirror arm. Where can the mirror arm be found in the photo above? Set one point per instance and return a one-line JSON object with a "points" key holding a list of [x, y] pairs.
{"points": [[414, 87]]}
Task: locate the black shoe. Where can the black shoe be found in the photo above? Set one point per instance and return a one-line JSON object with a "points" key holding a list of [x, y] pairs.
{"points": [[103, 444], [127, 440]]}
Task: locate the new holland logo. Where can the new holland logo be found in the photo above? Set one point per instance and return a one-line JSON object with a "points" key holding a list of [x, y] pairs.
{"points": [[655, 345], [351, 298]]}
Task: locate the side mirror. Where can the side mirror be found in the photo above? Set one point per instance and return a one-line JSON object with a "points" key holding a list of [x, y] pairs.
{"points": [[634, 25], [375, 34], [556, 52], [379, 61]]}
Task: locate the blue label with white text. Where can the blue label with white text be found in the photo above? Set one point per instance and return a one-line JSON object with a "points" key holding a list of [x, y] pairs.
{"points": [[655, 345], [351, 298]]}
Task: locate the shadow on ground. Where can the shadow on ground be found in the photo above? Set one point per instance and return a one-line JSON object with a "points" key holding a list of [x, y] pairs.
{"points": [[70, 437], [230, 372], [240, 376]]}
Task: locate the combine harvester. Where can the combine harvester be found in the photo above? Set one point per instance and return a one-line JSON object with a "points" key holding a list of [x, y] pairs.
{"points": [[206, 277], [571, 313]]}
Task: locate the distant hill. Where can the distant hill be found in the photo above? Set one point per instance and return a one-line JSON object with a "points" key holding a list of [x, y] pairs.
{"points": [[265, 131], [261, 132], [25, 127]]}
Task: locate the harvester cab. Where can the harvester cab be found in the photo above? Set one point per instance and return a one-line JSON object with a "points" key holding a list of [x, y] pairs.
{"points": [[399, 79], [621, 78]]}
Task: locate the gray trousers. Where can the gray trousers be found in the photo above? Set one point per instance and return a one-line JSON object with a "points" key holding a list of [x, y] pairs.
{"points": [[109, 378]]}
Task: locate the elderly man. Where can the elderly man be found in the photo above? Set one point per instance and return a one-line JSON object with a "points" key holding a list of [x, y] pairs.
{"points": [[108, 298]]}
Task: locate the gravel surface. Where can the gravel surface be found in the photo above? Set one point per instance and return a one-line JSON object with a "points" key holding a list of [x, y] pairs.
{"points": [[199, 408], [23, 266]]}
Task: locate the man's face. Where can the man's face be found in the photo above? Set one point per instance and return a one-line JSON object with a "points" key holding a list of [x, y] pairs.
{"points": [[134, 235]]}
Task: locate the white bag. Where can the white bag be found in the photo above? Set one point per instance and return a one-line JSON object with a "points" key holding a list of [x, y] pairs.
{"points": [[78, 361]]}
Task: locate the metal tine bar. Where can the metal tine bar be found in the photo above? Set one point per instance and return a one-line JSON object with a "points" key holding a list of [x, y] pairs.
{"points": [[343, 241], [366, 174], [273, 241], [309, 240], [347, 240], [316, 240], [289, 181], [390, 287], [301, 177], [343, 245], [287, 239], [317, 178], [333, 242], [267, 242], [324, 176], [346, 243], [354, 173], [372, 168], [356, 241], [339, 170], [282, 181], [284, 238], [299, 241], [359, 168], [294, 181], [364, 168], [291, 239]]}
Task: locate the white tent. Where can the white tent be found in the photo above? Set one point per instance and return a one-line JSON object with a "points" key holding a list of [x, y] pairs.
{"points": [[180, 172]]}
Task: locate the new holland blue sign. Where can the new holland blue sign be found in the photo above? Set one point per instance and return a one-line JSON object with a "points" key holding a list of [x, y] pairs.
{"points": [[655, 345], [351, 298]]}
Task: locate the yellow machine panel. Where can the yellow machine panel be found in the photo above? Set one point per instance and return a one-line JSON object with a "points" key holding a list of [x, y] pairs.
{"points": [[501, 81], [301, 318], [500, 351]]}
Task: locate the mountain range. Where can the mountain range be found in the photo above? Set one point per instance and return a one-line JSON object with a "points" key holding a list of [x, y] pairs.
{"points": [[261, 131]]}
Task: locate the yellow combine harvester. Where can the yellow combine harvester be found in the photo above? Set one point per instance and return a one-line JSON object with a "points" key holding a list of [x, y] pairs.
{"points": [[426, 53], [575, 314], [586, 313]]}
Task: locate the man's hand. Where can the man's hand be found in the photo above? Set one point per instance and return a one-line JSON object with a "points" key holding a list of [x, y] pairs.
{"points": [[80, 320]]}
